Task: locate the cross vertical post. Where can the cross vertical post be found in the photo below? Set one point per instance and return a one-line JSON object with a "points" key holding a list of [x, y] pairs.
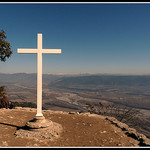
{"points": [[39, 75]]}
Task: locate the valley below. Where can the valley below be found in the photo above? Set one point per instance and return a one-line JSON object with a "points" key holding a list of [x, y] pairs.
{"points": [[72, 93]]}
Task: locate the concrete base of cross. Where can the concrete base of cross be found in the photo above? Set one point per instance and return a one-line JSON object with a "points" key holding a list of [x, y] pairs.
{"points": [[41, 129], [38, 122]]}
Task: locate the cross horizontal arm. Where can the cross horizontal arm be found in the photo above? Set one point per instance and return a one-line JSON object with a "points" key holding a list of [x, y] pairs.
{"points": [[27, 50], [51, 51]]}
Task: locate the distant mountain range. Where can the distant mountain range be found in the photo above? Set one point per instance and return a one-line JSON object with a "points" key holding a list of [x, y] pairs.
{"points": [[25, 78], [107, 80], [78, 79]]}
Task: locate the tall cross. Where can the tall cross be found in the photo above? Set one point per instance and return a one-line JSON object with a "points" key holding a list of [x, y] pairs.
{"points": [[39, 51]]}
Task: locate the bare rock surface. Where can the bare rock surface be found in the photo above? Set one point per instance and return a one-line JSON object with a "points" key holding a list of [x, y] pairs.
{"points": [[143, 140], [48, 133], [69, 130]]}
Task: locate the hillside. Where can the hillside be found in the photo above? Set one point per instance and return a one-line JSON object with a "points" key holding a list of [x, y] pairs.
{"points": [[79, 130], [120, 89], [109, 80], [25, 78]]}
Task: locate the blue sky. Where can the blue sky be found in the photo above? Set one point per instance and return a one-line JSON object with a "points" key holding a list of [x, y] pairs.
{"points": [[96, 38]]}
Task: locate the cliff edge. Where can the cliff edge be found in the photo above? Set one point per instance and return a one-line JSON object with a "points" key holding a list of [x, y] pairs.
{"points": [[78, 130]]}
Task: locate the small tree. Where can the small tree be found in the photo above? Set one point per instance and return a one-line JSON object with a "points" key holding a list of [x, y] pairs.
{"points": [[5, 50], [2, 90]]}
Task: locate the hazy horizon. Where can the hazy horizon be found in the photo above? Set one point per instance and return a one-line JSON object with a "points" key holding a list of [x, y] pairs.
{"points": [[80, 73]]}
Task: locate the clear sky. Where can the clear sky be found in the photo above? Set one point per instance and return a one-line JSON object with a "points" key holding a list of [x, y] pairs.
{"points": [[96, 38]]}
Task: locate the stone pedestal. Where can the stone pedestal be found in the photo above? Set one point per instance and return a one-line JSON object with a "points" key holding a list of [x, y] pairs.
{"points": [[38, 122], [40, 128]]}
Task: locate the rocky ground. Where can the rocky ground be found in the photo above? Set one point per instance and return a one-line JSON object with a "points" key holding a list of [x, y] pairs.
{"points": [[79, 130]]}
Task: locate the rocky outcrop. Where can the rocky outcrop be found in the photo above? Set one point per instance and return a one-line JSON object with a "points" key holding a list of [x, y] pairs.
{"points": [[143, 140]]}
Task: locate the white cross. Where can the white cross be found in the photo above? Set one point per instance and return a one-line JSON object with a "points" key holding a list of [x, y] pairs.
{"points": [[39, 52]]}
